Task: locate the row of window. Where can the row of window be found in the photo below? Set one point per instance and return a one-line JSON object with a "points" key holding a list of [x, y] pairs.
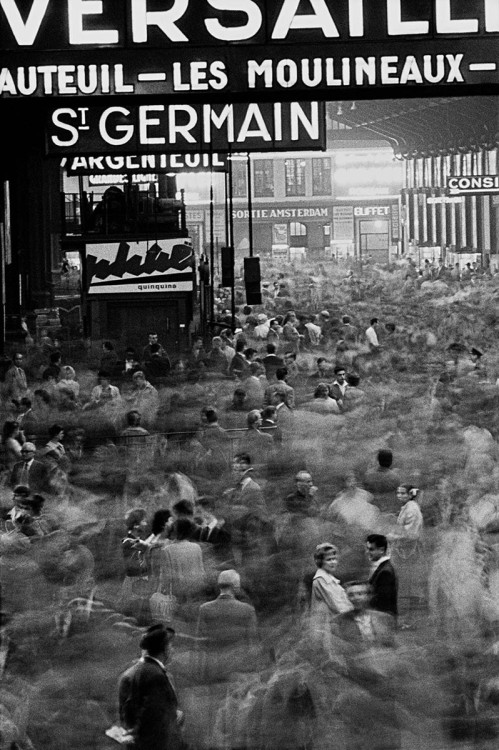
{"points": [[294, 177]]}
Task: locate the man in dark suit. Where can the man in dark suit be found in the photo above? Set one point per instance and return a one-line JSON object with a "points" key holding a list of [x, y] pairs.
{"points": [[382, 577], [246, 494], [147, 700], [228, 628], [30, 472], [338, 388], [211, 530], [272, 362]]}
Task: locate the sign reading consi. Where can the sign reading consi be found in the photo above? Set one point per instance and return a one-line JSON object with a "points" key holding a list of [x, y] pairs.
{"points": [[485, 184], [244, 127], [123, 268], [180, 47]]}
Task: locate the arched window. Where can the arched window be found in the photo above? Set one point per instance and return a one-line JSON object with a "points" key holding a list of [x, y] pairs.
{"points": [[297, 229]]}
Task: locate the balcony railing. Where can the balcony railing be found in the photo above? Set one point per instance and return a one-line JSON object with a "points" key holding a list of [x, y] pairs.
{"points": [[116, 213]]}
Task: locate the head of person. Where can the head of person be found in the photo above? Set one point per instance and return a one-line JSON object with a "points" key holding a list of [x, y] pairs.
{"points": [[304, 483], [254, 419], [136, 520], [55, 358], [133, 418], [156, 641], [345, 319], [229, 581], [104, 378], [241, 464], [289, 358], [374, 322], [476, 354], [130, 354], [36, 503], [250, 354], [281, 373], [376, 547], [247, 310], [183, 509], [406, 492], [25, 404], [269, 413], [216, 342], [21, 496], [28, 451], [209, 415], [42, 398], [340, 374], [321, 364], [359, 593], [152, 338], [262, 318], [107, 347], [326, 557], [321, 391], [183, 529], [68, 373], [56, 432], [385, 458], [240, 345], [324, 315], [271, 348], [160, 520], [239, 396], [274, 324], [18, 359], [139, 380], [10, 429]]}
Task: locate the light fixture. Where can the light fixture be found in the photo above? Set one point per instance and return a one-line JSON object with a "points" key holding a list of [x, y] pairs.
{"points": [[353, 107], [339, 110]]}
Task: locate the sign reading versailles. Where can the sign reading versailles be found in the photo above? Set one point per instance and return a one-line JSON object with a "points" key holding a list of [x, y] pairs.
{"points": [[186, 127], [306, 49]]}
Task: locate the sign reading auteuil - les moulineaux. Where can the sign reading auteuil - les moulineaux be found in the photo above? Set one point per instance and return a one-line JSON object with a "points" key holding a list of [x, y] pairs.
{"points": [[295, 48]]}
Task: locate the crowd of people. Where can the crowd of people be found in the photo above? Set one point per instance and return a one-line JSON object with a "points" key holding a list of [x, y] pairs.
{"points": [[308, 497]]}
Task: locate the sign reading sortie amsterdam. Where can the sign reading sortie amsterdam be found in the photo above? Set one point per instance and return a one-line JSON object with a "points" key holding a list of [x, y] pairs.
{"points": [[306, 49]]}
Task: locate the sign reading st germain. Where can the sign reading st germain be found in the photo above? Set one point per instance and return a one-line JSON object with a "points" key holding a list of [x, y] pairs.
{"points": [[187, 127], [304, 49]]}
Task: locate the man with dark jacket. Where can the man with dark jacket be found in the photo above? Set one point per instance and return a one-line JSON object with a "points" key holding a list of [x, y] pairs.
{"points": [[30, 472], [382, 575], [147, 699]]}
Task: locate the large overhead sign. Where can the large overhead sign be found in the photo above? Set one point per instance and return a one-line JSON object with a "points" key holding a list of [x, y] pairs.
{"points": [[194, 127], [289, 48], [139, 267]]}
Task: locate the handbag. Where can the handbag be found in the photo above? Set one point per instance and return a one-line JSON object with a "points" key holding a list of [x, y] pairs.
{"points": [[163, 606]]}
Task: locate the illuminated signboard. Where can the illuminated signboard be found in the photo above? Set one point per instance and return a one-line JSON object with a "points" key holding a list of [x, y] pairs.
{"points": [[139, 267], [366, 173], [144, 163], [475, 185], [73, 48], [194, 127]]}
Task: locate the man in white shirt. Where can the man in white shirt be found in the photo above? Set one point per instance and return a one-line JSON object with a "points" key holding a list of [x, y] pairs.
{"points": [[372, 335]]}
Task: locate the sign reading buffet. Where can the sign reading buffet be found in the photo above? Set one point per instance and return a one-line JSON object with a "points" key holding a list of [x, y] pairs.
{"points": [[93, 47]]}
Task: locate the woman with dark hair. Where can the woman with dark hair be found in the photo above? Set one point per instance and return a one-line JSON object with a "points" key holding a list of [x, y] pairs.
{"points": [[323, 403], [12, 440], [408, 555]]}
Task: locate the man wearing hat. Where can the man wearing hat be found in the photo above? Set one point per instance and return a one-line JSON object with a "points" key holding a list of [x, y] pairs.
{"points": [[147, 700], [30, 472]]}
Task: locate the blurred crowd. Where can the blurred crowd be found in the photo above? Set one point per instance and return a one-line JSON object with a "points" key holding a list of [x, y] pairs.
{"points": [[309, 497]]}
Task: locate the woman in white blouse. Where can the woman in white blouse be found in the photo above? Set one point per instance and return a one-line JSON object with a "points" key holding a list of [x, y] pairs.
{"points": [[329, 598]]}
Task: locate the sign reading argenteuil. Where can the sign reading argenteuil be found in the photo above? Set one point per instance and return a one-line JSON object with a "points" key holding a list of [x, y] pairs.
{"points": [[195, 127], [71, 48], [139, 267]]}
